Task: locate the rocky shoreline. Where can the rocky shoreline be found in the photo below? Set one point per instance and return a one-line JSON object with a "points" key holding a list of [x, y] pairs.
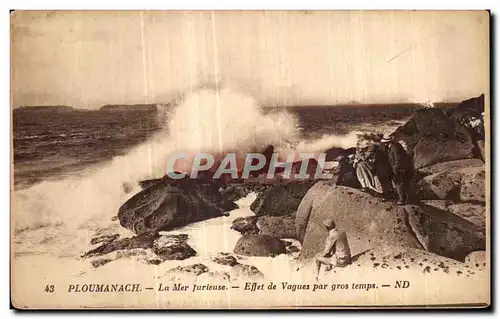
{"points": [[445, 232]]}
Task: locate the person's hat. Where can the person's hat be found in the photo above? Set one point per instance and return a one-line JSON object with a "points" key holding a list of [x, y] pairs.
{"points": [[329, 223], [387, 138]]}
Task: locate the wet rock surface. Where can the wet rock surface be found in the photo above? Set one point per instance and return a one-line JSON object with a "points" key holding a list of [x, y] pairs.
{"points": [[165, 205], [149, 248], [225, 259], [173, 247], [142, 241], [246, 225]]}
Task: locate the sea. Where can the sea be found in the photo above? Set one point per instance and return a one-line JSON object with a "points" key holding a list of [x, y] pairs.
{"points": [[52, 143], [69, 168]]}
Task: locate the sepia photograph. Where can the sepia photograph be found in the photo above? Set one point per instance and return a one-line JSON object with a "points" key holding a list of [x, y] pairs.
{"points": [[279, 159]]}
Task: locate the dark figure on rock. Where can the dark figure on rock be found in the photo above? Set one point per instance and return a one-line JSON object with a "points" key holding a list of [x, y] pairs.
{"points": [[402, 169], [383, 170], [346, 172]]}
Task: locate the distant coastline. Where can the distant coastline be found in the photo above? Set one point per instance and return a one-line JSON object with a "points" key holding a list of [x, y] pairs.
{"points": [[154, 107], [44, 107], [129, 107]]}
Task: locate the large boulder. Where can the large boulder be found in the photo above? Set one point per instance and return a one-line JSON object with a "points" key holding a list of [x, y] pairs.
{"points": [[433, 137], [472, 107], [281, 199], [312, 200], [370, 222], [259, 245], [165, 205], [465, 184], [277, 226]]}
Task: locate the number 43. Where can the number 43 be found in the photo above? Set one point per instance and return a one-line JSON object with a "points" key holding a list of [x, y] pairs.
{"points": [[49, 288]]}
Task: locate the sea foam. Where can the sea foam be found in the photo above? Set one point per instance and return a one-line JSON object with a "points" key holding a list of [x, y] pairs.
{"points": [[213, 121]]}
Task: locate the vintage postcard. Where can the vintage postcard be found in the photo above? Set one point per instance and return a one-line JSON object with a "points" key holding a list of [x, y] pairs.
{"points": [[250, 159]]}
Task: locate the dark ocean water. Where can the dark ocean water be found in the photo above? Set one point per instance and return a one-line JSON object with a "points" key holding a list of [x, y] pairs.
{"points": [[49, 143]]}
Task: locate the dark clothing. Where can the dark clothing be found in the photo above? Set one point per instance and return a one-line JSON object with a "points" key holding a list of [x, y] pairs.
{"points": [[347, 174], [398, 158], [402, 171], [383, 170]]}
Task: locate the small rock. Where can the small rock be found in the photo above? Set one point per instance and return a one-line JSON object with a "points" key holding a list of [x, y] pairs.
{"points": [[141, 241], [196, 269], [246, 225], [246, 271], [173, 247], [100, 262], [225, 259]]}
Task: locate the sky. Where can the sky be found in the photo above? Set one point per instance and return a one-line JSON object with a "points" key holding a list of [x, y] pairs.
{"points": [[281, 58]]}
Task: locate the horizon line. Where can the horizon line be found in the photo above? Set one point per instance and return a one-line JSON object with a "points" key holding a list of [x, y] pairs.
{"points": [[263, 106]]}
